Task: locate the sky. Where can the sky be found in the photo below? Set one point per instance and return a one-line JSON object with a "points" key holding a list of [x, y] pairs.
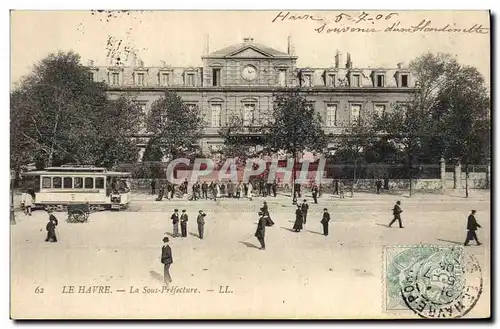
{"points": [[179, 37]]}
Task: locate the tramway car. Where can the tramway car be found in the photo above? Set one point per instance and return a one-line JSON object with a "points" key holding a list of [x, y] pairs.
{"points": [[57, 187]]}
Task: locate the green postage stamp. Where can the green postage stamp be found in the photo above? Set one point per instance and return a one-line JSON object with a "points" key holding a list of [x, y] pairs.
{"points": [[432, 281]]}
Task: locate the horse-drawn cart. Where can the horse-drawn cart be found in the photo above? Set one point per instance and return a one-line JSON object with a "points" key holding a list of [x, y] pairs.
{"points": [[78, 213]]}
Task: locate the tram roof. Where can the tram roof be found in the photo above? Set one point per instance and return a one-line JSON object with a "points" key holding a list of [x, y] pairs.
{"points": [[76, 173]]}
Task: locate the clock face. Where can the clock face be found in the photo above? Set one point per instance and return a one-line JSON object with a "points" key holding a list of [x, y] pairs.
{"points": [[249, 73]]}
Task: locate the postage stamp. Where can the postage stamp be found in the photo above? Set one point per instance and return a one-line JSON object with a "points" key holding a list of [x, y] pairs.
{"points": [[432, 281]]}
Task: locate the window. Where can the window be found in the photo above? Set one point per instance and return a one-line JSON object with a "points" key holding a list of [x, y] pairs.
{"points": [[140, 79], [216, 77], [379, 80], [190, 79], [99, 182], [282, 78], [355, 114], [355, 80], [379, 110], [306, 80], [310, 106], [216, 111], [68, 182], [78, 182], [89, 182], [404, 80], [331, 115], [115, 79], [56, 182], [191, 106], [46, 182], [91, 76], [249, 114], [164, 79], [330, 80]]}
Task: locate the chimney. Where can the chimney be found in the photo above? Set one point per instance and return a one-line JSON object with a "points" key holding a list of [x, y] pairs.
{"points": [[400, 65], [132, 58], [163, 63], [248, 40], [90, 63], [348, 63], [339, 60], [206, 49], [140, 63], [291, 48]]}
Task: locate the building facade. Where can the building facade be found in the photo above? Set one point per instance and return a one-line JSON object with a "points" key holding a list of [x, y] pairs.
{"points": [[242, 78]]}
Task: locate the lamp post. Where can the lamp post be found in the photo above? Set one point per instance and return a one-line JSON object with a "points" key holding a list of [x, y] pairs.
{"points": [[12, 214]]}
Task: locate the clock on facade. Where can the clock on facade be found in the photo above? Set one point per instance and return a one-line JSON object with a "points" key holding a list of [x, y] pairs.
{"points": [[249, 73]]}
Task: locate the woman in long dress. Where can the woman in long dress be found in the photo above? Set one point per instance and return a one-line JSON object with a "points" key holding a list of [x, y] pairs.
{"points": [[250, 189], [297, 226]]}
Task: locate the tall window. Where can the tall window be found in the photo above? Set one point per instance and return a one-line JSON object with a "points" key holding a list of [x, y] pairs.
{"points": [[282, 77], [190, 79], [216, 77], [68, 182], [216, 115], [355, 80], [379, 110], [115, 79], [380, 80], [404, 80], [165, 79], [330, 80], [331, 115], [306, 80], [249, 115], [140, 79], [355, 114], [91, 76]]}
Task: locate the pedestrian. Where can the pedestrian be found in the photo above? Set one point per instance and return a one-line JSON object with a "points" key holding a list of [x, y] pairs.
{"points": [[336, 187], [204, 190], [325, 220], [27, 202], [260, 233], [175, 222], [153, 186], [195, 192], [275, 187], [250, 191], [245, 190], [472, 226], [184, 220], [166, 260], [341, 190], [305, 208], [265, 211], [201, 223], [230, 189], [298, 225], [218, 190], [238, 191], [269, 187], [51, 228], [378, 184], [396, 211], [315, 193], [172, 191]]}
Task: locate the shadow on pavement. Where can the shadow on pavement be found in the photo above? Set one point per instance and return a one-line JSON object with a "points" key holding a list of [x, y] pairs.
{"points": [[385, 225], [314, 232], [156, 276], [450, 241], [249, 245], [288, 229]]}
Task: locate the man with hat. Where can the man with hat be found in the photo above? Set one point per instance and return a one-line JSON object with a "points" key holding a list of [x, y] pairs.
{"points": [[396, 211], [201, 223], [260, 233], [51, 228], [265, 211], [184, 220], [167, 260], [472, 226], [305, 209], [325, 220], [175, 222]]}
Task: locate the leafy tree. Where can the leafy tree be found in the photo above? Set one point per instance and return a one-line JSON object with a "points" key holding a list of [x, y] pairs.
{"points": [[174, 126], [58, 115]]}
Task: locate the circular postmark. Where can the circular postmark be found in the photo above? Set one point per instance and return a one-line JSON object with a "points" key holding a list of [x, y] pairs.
{"points": [[446, 284]]}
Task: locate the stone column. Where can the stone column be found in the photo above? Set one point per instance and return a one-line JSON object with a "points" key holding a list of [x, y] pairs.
{"points": [[442, 167], [458, 176]]}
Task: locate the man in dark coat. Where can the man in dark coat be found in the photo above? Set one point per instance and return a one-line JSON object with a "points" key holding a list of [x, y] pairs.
{"points": [[153, 186], [175, 222], [305, 209], [275, 187], [265, 211], [298, 225], [315, 193], [260, 233], [472, 226], [325, 220], [396, 211], [204, 190], [166, 260], [201, 223], [51, 228], [172, 191], [378, 184], [184, 220]]}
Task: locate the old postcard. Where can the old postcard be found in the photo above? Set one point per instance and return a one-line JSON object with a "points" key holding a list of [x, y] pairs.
{"points": [[250, 164]]}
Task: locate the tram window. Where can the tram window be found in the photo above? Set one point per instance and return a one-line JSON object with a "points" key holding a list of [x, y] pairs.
{"points": [[78, 182], [68, 182], [99, 182], [89, 182], [56, 182], [46, 182]]}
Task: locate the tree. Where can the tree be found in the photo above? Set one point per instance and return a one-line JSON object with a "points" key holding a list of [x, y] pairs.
{"points": [[294, 127], [58, 115], [174, 126]]}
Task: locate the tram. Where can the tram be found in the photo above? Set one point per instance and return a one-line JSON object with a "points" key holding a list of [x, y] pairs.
{"points": [[58, 187]]}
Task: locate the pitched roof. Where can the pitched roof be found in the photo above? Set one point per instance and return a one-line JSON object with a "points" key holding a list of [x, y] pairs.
{"points": [[241, 46]]}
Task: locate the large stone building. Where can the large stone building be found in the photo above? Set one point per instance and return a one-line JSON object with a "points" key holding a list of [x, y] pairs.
{"points": [[241, 79]]}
